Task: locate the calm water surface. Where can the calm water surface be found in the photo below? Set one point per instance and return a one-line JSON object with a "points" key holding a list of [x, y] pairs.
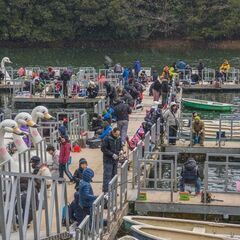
{"points": [[95, 57]]}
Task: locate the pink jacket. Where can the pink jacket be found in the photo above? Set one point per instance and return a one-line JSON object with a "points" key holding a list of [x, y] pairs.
{"points": [[64, 155]]}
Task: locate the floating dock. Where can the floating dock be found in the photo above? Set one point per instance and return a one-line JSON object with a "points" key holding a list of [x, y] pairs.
{"points": [[51, 102], [159, 202]]}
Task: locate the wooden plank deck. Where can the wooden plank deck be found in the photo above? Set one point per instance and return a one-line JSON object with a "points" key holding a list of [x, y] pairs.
{"points": [[160, 201]]}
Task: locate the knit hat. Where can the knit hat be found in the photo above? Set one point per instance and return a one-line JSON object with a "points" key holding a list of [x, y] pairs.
{"points": [[35, 159], [82, 161], [197, 118], [88, 174]]}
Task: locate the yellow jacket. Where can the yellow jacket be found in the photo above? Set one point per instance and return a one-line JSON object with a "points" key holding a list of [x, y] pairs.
{"points": [[172, 72], [225, 67]]}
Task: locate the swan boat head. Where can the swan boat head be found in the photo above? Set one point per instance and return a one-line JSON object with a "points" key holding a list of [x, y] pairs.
{"points": [[5, 60], [10, 126], [25, 119], [41, 112]]}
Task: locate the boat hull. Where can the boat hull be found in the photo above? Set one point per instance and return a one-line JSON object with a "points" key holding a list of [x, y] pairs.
{"points": [[205, 106], [147, 232], [184, 224]]}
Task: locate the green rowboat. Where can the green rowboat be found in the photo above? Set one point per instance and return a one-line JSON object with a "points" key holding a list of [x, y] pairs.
{"points": [[207, 105]]}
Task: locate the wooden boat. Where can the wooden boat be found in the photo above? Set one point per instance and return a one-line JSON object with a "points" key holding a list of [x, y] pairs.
{"points": [[207, 105], [184, 224], [127, 238], [147, 232]]}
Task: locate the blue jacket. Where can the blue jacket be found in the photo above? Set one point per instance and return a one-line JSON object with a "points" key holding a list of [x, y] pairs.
{"points": [[105, 132], [75, 211], [86, 197], [125, 74], [137, 66], [62, 130]]}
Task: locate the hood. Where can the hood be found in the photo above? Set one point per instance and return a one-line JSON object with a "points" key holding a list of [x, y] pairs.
{"points": [[190, 164], [88, 174]]}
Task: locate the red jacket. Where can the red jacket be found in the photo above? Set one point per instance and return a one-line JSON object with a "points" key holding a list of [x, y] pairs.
{"points": [[64, 155]]}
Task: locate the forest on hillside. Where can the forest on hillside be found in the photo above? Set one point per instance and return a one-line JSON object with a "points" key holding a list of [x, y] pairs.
{"points": [[75, 20]]}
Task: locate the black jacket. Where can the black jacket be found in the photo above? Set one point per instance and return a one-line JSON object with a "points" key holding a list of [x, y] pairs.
{"points": [[121, 111], [110, 146]]}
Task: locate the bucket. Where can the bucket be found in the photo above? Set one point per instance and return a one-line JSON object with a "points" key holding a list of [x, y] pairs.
{"points": [[238, 186], [76, 148], [90, 134], [184, 196]]}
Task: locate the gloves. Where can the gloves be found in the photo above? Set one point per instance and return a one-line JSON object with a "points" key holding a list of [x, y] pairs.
{"points": [[115, 156]]}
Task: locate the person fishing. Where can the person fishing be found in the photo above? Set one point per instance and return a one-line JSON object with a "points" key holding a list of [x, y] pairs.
{"points": [[224, 69], [190, 175], [171, 118], [198, 131]]}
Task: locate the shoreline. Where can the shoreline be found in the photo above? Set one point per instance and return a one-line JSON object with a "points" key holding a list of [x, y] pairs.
{"points": [[135, 44]]}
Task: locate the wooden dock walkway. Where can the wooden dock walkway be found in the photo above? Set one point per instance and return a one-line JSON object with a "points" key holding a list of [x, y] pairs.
{"points": [[160, 201]]}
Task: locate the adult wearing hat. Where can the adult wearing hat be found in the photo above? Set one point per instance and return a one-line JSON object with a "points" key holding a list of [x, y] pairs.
{"points": [[198, 131], [171, 118]]}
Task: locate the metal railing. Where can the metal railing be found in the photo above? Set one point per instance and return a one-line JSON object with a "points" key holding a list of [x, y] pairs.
{"points": [[153, 136], [147, 143], [124, 184], [43, 206], [99, 107], [114, 206], [74, 131], [83, 123], [229, 132], [159, 180], [40, 148], [97, 218], [24, 161], [83, 231], [112, 201]]}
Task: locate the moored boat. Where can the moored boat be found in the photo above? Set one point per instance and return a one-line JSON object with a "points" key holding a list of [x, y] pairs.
{"points": [[127, 238], [184, 224], [147, 232], [207, 105]]}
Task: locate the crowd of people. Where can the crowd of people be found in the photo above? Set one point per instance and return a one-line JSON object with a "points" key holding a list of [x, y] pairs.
{"points": [[113, 138]]}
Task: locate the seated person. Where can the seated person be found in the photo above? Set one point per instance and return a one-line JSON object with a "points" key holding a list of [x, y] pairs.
{"points": [[75, 211], [38, 86], [107, 115], [97, 122], [198, 132], [190, 174], [92, 90], [106, 130]]}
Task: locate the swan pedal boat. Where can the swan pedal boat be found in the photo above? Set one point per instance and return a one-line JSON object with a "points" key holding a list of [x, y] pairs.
{"points": [[216, 229], [147, 232]]}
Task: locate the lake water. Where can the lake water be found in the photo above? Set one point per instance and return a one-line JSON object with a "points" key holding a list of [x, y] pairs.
{"points": [[77, 57]]}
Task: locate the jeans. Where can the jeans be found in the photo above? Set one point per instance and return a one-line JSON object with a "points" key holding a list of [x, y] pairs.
{"points": [[172, 134], [65, 89], [164, 98], [109, 171], [123, 126], [64, 168], [196, 182]]}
